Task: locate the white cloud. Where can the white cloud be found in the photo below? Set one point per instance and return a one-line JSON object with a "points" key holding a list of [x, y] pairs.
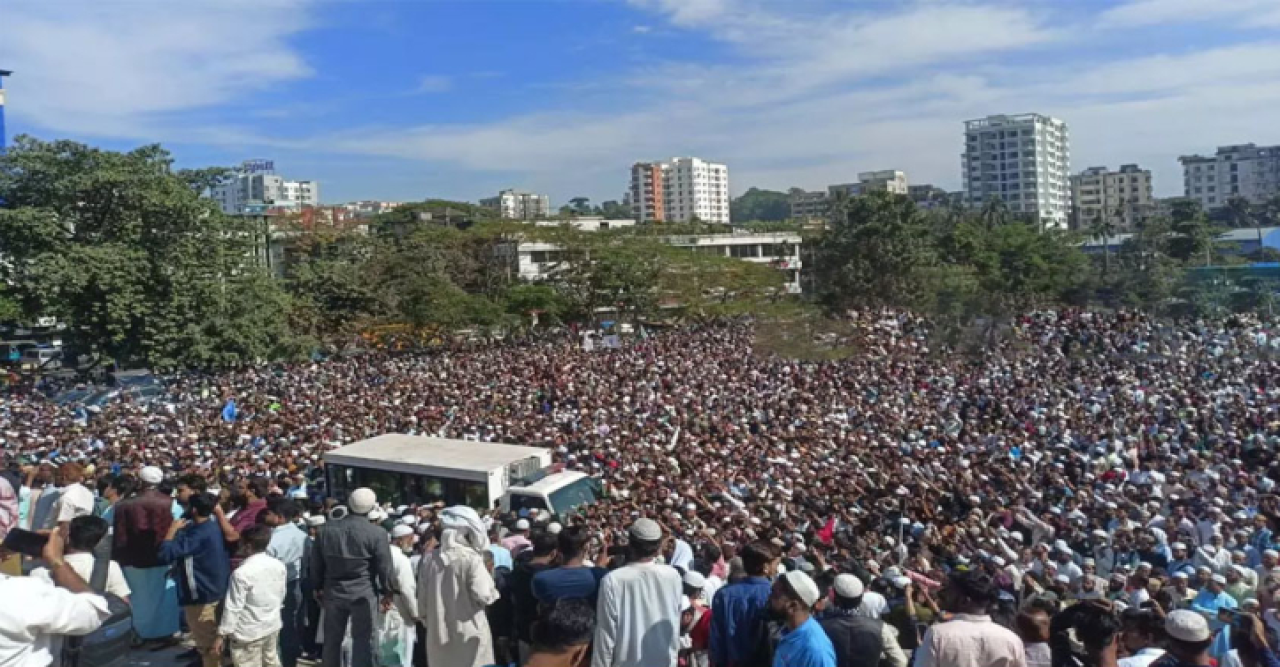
{"points": [[435, 83], [1155, 12], [111, 68]]}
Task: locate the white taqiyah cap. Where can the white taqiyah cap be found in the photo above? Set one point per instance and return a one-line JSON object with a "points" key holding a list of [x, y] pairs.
{"points": [[401, 530], [151, 475], [694, 579], [848, 586], [803, 586], [362, 501], [522, 524], [1186, 625]]}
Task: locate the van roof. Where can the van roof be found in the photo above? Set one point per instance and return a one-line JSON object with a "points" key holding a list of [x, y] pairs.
{"points": [[552, 482], [400, 450]]}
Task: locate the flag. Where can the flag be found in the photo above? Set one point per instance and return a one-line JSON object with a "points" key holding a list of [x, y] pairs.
{"points": [[229, 411], [828, 532]]}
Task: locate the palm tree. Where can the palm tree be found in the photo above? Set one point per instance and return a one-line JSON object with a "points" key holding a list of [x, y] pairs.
{"points": [[995, 212], [1102, 230]]}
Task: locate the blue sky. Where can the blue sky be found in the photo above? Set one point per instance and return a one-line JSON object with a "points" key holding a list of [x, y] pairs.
{"points": [[408, 99]]}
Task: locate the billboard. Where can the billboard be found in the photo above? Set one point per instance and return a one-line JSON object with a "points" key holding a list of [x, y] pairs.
{"points": [[258, 167]]}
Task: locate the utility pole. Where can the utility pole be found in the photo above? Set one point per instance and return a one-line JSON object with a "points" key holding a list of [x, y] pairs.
{"points": [[3, 74]]}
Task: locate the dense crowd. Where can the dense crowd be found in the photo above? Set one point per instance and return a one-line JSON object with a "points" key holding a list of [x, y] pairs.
{"points": [[1086, 477]]}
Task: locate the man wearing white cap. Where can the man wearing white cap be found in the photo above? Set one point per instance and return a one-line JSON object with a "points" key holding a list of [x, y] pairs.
{"points": [[638, 606], [1189, 637], [140, 524], [859, 641], [350, 569], [398, 629], [804, 643], [1211, 598]]}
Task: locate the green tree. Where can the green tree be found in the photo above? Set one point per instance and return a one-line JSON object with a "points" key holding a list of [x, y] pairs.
{"points": [[1101, 231], [879, 250], [126, 252], [1191, 238], [760, 205], [615, 211]]}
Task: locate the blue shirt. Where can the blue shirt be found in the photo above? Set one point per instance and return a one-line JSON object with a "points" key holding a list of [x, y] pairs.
{"points": [[737, 610], [289, 546], [203, 566], [501, 557], [568, 583], [806, 646]]}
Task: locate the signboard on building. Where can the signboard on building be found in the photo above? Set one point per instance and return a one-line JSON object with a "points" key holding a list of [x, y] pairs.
{"points": [[258, 167]]}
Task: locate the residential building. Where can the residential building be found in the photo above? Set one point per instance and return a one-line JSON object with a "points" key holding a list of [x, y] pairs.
{"points": [[255, 183], [368, 208], [517, 205], [537, 260], [1024, 160], [889, 180], [680, 190], [1121, 198], [3, 136], [588, 223], [1248, 170], [809, 205]]}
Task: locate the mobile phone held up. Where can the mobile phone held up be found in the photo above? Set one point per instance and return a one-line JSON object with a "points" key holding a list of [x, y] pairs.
{"points": [[25, 542]]}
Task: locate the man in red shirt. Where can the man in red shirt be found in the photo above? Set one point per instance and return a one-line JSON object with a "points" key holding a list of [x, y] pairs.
{"points": [[141, 523]]}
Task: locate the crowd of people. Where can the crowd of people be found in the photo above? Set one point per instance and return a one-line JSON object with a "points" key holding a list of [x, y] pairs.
{"points": [[1091, 488]]}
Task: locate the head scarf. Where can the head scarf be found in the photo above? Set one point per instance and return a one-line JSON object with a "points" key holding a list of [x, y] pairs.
{"points": [[463, 529]]}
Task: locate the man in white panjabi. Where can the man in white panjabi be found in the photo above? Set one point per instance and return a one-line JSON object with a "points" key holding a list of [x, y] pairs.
{"points": [[454, 587], [397, 628]]}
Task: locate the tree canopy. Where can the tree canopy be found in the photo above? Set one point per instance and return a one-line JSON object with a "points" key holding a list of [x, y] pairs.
{"points": [[761, 205]]}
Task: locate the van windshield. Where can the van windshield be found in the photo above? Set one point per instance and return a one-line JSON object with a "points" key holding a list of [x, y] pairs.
{"points": [[573, 496]]}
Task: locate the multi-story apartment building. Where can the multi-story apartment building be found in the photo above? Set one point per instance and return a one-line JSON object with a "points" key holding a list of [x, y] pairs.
{"points": [[255, 183], [1024, 160], [517, 205], [807, 205], [1248, 170], [1122, 198], [680, 190], [888, 180]]}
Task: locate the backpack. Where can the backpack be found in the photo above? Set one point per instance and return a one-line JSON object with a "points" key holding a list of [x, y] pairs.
{"points": [[108, 646]]}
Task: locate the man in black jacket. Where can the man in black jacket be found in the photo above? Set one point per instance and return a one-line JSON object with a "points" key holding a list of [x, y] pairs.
{"points": [[859, 641]]}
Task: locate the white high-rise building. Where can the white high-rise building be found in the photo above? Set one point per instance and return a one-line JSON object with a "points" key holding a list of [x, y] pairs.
{"points": [[680, 190], [1247, 171], [517, 205], [1024, 160], [255, 183]]}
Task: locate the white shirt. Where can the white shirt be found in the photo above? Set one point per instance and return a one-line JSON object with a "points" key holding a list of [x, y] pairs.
{"points": [[638, 617], [28, 630], [76, 501], [1142, 658], [254, 599], [82, 564]]}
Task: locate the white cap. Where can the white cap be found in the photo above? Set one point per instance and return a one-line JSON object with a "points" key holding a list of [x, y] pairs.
{"points": [[848, 586], [1179, 545], [522, 524], [401, 530], [554, 528], [151, 475], [803, 587], [694, 579], [1218, 579], [362, 501], [316, 520], [1186, 625]]}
